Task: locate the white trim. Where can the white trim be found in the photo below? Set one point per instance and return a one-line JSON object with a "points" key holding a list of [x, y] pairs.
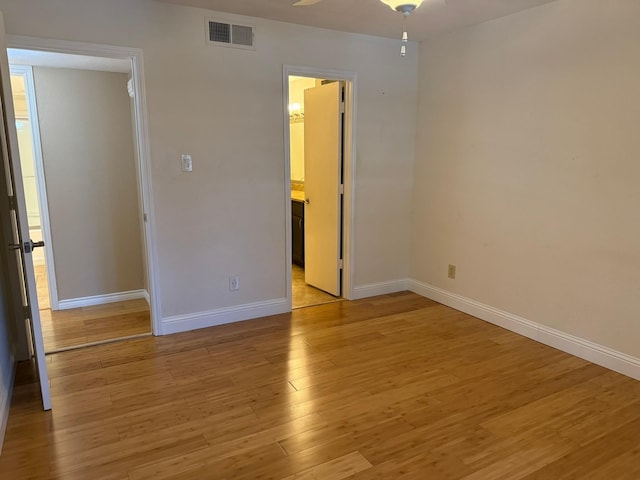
{"points": [[380, 288], [147, 297], [100, 299], [593, 352], [490, 314], [5, 402], [349, 188], [349, 169], [288, 243], [142, 139], [66, 46], [221, 316], [41, 184], [144, 166]]}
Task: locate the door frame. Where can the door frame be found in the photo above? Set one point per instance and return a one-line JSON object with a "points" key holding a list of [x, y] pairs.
{"points": [[26, 71], [147, 214], [350, 80]]}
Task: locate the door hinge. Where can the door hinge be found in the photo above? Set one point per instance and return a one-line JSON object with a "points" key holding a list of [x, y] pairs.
{"points": [[26, 310], [341, 189], [144, 217], [341, 107], [340, 264], [12, 202]]}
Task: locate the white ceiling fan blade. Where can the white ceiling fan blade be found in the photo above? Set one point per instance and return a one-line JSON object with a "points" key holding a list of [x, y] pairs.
{"points": [[305, 3]]}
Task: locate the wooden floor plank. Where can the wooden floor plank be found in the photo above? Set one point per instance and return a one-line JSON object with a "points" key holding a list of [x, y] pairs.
{"points": [[391, 387], [64, 329]]}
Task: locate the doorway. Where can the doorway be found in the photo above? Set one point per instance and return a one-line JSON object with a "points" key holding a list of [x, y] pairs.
{"points": [[319, 132], [76, 138]]}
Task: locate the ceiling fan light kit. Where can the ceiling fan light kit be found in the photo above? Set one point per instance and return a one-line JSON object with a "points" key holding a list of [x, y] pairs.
{"points": [[403, 6]]}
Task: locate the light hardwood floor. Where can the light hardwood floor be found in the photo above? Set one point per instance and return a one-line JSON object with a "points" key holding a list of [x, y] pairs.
{"points": [[42, 287], [63, 329], [304, 295], [393, 387], [76, 327]]}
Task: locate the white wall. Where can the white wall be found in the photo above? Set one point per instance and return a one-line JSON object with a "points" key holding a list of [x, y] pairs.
{"points": [[27, 162], [224, 106], [527, 174], [25, 146], [297, 86], [90, 171], [297, 150]]}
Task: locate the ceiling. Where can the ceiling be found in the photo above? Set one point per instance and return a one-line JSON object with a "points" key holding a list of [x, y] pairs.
{"points": [[65, 60], [372, 17]]}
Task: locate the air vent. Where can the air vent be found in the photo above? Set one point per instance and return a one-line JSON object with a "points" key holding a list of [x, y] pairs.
{"points": [[219, 32], [242, 35], [226, 34]]}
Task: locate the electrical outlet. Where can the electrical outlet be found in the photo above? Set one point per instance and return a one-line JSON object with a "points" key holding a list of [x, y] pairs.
{"points": [[234, 283], [452, 272]]}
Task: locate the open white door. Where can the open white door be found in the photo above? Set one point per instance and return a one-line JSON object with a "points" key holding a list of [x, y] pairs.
{"points": [[322, 186], [20, 245]]}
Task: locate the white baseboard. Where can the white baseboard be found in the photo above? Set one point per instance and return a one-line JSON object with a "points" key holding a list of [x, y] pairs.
{"points": [[590, 351], [490, 314], [146, 296], [5, 403], [381, 288], [101, 299], [212, 318]]}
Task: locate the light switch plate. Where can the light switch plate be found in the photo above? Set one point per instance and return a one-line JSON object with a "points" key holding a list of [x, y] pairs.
{"points": [[187, 163]]}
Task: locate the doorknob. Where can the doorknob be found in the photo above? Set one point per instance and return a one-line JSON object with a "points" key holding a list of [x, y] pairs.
{"points": [[26, 247]]}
